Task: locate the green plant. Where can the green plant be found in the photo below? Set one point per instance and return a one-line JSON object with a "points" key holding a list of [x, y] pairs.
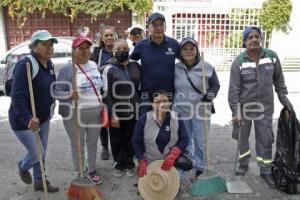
{"points": [[20, 9], [275, 14], [238, 19], [233, 40]]}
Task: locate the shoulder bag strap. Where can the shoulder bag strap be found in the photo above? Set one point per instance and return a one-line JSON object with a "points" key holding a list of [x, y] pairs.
{"points": [[95, 90], [191, 83]]}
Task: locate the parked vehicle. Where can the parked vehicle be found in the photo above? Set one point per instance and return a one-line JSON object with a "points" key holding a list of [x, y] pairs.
{"points": [[62, 55]]}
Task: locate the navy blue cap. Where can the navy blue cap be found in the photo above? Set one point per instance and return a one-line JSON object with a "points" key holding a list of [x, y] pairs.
{"points": [[247, 31], [155, 16], [188, 40], [191, 41]]}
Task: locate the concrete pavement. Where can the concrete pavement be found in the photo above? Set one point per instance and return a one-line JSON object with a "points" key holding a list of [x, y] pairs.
{"points": [[59, 169], [59, 163]]}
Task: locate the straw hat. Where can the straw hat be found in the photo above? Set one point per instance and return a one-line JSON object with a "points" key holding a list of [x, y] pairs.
{"points": [[158, 183]]}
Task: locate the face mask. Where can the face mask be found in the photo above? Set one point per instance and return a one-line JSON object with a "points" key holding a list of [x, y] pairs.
{"points": [[121, 56]]}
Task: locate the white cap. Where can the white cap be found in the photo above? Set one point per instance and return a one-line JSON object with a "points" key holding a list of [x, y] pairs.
{"points": [[137, 26]]}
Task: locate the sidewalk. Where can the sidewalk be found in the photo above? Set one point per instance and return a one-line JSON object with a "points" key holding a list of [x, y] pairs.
{"points": [[59, 169], [59, 163]]}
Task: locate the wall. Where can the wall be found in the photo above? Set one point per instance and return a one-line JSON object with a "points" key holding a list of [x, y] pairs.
{"points": [[60, 25]]}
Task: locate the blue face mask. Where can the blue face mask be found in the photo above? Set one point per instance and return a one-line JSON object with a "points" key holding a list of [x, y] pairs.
{"points": [[121, 56]]}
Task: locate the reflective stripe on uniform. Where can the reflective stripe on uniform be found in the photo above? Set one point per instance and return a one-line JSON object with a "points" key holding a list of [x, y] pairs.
{"points": [[244, 155], [265, 61], [264, 161], [261, 62], [248, 64]]}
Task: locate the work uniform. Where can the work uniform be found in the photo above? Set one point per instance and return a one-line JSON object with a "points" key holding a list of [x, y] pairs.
{"points": [[251, 86]]}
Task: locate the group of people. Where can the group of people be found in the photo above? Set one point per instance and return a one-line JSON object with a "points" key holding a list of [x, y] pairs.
{"points": [[158, 107]]}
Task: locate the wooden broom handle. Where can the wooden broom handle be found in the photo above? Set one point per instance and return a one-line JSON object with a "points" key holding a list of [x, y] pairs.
{"points": [[205, 108], [77, 131], [38, 139]]}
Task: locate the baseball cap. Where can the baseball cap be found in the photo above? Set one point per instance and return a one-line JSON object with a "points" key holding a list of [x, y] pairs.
{"points": [[42, 35], [247, 31], [188, 40], [79, 40], [135, 28], [155, 16]]}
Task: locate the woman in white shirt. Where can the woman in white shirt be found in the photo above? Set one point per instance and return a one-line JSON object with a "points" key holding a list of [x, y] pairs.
{"points": [[89, 98]]}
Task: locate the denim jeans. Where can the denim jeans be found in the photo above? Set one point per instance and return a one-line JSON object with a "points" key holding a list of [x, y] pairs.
{"points": [[196, 132], [28, 139]]}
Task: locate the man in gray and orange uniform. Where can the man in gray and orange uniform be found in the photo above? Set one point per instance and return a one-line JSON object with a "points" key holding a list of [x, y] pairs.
{"points": [[252, 77]]}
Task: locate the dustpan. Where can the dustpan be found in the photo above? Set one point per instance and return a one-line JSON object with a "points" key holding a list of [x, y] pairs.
{"points": [[234, 185]]}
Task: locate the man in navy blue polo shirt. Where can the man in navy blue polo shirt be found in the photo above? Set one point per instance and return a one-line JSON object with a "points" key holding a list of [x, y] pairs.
{"points": [[157, 54]]}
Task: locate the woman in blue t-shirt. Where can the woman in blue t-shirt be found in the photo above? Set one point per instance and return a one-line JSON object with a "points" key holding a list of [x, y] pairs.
{"points": [[21, 119]]}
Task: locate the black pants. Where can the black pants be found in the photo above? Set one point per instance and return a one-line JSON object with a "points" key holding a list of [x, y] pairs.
{"points": [[121, 147], [104, 137]]}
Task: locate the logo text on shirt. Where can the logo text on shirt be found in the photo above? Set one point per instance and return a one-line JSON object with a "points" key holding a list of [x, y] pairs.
{"points": [[170, 51], [167, 128]]}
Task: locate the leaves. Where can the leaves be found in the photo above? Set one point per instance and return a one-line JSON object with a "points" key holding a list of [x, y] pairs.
{"points": [[233, 40], [20, 9], [275, 14]]}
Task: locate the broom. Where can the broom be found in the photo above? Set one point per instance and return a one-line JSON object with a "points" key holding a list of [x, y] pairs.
{"points": [[209, 182], [81, 188], [37, 137]]}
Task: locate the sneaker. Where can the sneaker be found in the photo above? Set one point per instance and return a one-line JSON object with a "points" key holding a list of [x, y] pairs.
{"points": [[38, 186], [96, 179], [241, 170], [25, 175], [118, 173], [268, 179], [130, 172], [104, 153]]}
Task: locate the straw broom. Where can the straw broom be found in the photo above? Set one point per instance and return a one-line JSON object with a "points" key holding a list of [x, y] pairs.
{"points": [[81, 188], [37, 137], [209, 182]]}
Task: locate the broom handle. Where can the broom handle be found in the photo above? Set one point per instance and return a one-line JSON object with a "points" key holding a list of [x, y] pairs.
{"points": [[38, 139], [237, 142], [237, 151], [205, 108], [77, 131]]}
